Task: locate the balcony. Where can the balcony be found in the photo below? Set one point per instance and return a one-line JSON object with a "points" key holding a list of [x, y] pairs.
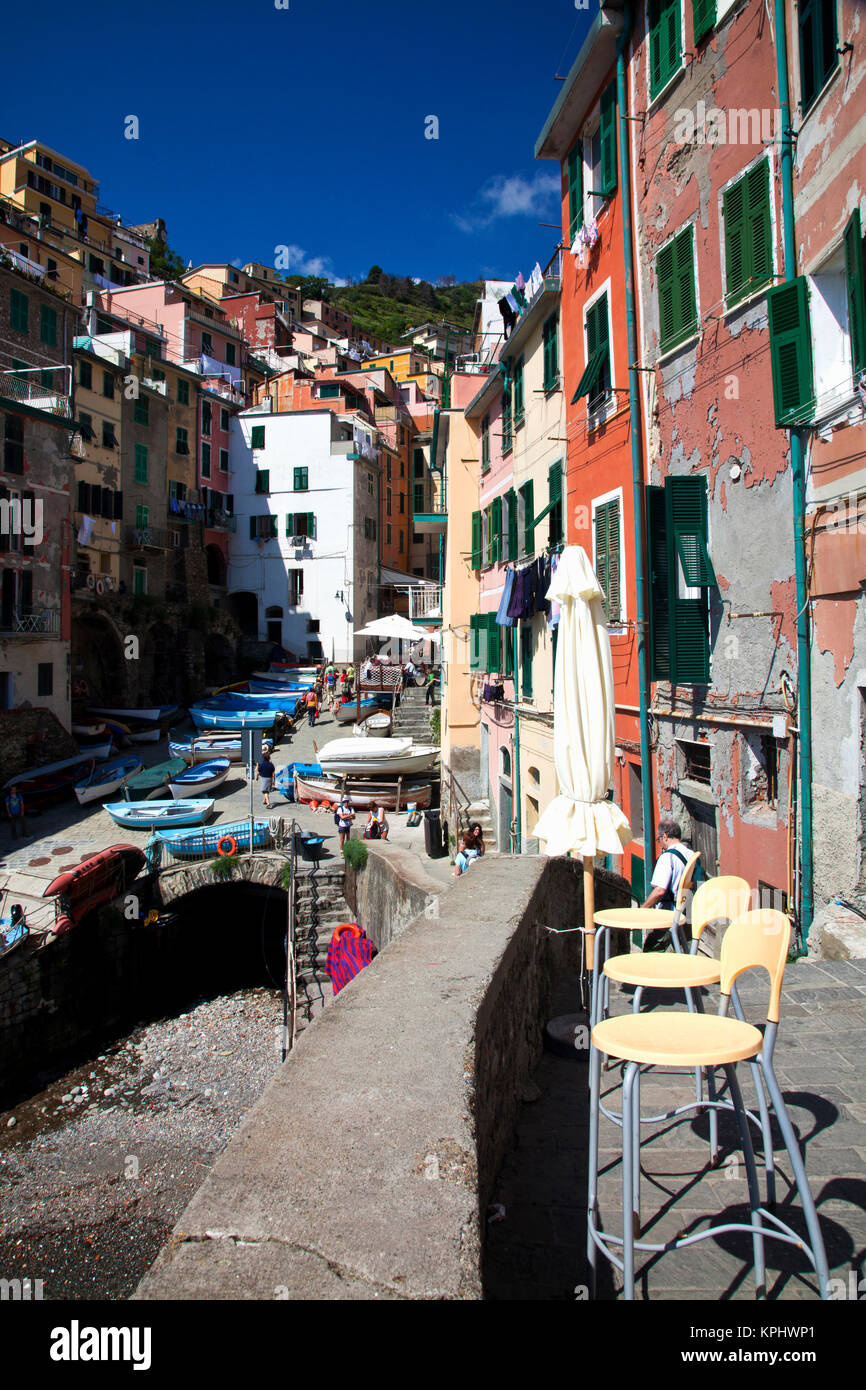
{"points": [[425, 603], [30, 622], [224, 326], [433, 523], [220, 521], [151, 538], [25, 386]]}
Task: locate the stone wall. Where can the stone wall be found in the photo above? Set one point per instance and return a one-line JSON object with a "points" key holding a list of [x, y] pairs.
{"points": [[29, 737], [381, 1192], [389, 892]]}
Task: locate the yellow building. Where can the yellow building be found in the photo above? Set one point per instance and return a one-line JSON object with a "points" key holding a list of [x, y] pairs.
{"points": [[97, 493], [408, 364]]}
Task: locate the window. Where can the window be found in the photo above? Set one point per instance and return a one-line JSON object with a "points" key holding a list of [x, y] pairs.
{"points": [[791, 350], [675, 278], [370, 484], [85, 425], [329, 391], [551, 353], [748, 234], [595, 383], [476, 540], [19, 311], [205, 460], [518, 392], [511, 525], [85, 375], [697, 761], [681, 576], [109, 438], [607, 556], [13, 445], [666, 43], [263, 480], [231, 354], [224, 420], [369, 528], [418, 463], [182, 392], [177, 490], [855, 287], [388, 533], [525, 660], [44, 678], [401, 546], [554, 484], [108, 386], [818, 56], [418, 498], [485, 444], [704, 18], [607, 171], [494, 531], [387, 501], [47, 325], [142, 516], [139, 579], [141, 412], [182, 444], [388, 468], [402, 503], [257, 437], [206, 345], [301, 524], [296, 587], [206, 418], [507, 415], [528, 507], [574, 176], [224, 460], [141, 463], [263, 528], [484, 642]]}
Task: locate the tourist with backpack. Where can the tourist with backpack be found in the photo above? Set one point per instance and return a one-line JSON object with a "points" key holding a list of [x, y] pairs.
{"points": [[667, 874]]}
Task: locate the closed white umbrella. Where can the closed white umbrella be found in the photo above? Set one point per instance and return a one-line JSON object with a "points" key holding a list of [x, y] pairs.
{"points": [[580, 819]]}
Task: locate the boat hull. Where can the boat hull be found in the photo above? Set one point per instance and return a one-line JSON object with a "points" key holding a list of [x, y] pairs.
{"points": [[148, 785], [105, 780], [374, 726], [98, 880], [208, 747], [156, 715], [401, 765], [51, 782], [364, 793], [200, 779], [225, 719], [195, 844], [159, 815]]}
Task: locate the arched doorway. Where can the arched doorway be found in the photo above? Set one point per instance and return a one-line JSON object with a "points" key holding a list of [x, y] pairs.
{"points": [[216, 565], [99, 670]]}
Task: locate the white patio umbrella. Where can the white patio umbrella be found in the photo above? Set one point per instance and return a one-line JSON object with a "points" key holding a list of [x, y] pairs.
{"points": [[393, 626], [581, 819]]}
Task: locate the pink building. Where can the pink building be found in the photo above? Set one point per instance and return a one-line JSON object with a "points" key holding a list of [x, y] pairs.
{"points": [[200, 336]]}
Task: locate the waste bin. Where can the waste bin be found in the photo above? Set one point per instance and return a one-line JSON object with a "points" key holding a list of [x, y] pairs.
{"points": [[433, 834]]}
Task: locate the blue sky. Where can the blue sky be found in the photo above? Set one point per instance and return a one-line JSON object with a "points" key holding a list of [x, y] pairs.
{"points": [[305, 127]]}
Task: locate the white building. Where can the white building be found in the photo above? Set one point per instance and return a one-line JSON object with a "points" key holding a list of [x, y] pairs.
{"points": [[303, 562]]}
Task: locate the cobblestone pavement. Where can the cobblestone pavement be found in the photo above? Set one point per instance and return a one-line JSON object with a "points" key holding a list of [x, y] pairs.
{"points": [[536, 1233]]}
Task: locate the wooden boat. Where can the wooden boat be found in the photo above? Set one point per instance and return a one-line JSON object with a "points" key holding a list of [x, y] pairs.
{"points": [[158, 714], [279, 701], [100, 751], [160, 815], [106, 778], [365, 792], [148, 785], [205, 747], [200, 779], [264, 687], [350, 713], [196, 844], [51, 782], [98, 880], [89, 731], [375, 757], [284, 782], [204, 718], [145, 735], [14, 930], [374, 726]]}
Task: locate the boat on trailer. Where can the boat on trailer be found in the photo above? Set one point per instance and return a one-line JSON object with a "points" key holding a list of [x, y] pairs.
{"points": [[374, 726], [365, 792], [372, 757]]}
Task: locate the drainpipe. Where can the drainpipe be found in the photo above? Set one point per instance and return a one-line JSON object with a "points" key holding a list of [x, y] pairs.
{"points": [[806, 904], [516, 778], [635, 429]]}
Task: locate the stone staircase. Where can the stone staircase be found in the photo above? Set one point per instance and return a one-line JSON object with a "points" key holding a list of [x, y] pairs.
{"points": [[412, 716], [319, 908], [480, 811]]}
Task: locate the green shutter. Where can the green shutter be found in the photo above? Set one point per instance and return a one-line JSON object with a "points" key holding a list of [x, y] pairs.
{"points": [[19, 311], [704, 16], [48, 325], [506, 416], [141, 463], [736, 248], [608, 140], [748, 234], [856, 286], [551, 355], [511, 498], [659, 589], [273, 522], [254, 527], [675, 276], [665, 43], [474, 664], [257, 437], [554, 489], [476, 540], [496, 536], [686, 511], [596, 377], [668, 288], [684, 272], [526, 643], [311, 525], [791, 350], [518, 391], [574, 169], [528, 493], [760, 229], [607, 557]]}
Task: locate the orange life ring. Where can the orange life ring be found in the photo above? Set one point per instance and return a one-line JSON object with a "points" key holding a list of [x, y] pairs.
{"points": [[232, 846], [351, 927]]}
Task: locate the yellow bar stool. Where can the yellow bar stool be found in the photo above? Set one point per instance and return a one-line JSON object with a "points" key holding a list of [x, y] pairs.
{"points": [[755, 940]]}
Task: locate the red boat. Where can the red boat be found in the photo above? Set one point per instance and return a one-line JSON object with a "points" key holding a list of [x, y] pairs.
{"points": [[96, 881], [52, 781]]}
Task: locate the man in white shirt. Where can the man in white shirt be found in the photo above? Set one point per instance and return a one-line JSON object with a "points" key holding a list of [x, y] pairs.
{"points": [[667, 873]]}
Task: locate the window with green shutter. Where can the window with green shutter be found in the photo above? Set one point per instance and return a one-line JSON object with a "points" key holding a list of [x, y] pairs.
{"points": [[574, 174], [666, 43], [595, 382], [855, 282], [485, 444], [675, 278], [141, 411], [507, 638], [551, 353], [748, 234], [141, 463], [526, 644], [263, 480], [476, 540], [554, 490], [818, 45], [142, 517], [527, 493], [679, 565], [484, 642], [182, 442], [608, 141], [301, 479], [607, 556], [518, 392], [139, 580], [703, 18], [511, 502], [495, 530], [257, 437], [48, 325], [183, 392], [19, 311], [507, 440], [205, 460], [791, 350]]}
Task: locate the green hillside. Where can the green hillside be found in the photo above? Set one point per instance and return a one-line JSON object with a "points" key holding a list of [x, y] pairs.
{"points": [[386, 306]]}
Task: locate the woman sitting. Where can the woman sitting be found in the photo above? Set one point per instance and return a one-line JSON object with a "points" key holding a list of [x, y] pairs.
{"points": [[377, 826], [475, 836], [466, 855]]}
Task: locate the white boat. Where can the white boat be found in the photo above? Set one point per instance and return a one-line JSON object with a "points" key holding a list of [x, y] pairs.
{"points": [[205, 747], [374, 726], [145, 735], [364, 793], [106, 779], [376, 757], [160, 815], [199, 779], [156, 714]]}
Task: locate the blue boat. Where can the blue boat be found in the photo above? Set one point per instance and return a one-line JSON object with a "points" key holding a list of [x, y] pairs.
{"points": [[151, 815], [284, 782], [266, 687], [196, 844], [200, 778], [106, 778], [207, 747], [205, 718], [239, 701]]}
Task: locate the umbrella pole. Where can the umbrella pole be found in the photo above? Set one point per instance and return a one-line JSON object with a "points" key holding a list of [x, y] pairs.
{"points": [[589, 910]]}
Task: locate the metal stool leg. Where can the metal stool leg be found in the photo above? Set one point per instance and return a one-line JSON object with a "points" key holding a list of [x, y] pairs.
{"points": [[752, 1179], [635, 1196], [628, 1142], [592, 1194]]}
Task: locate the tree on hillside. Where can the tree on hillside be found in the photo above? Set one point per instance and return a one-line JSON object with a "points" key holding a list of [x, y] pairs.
{"points": [[165, 264], [374, 275]]}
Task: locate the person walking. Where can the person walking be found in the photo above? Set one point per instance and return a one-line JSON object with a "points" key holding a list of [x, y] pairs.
{"points": [[350, 679], [267, 772], [429, 683], [311, 700], [15, 812]]}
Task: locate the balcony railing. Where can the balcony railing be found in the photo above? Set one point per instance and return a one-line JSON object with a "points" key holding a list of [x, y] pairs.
{"points": [[425, 601], [221, 325], [220, 521], [31, 622], [24, 385], [152, 538]]}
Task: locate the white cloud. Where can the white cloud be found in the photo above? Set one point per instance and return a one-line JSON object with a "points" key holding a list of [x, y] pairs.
{"points": [[238, 263], [295, 258], [510, 196]]}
